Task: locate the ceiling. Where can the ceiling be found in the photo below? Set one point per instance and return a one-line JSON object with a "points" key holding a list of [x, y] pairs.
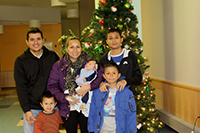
{"points": [[37, 4]]}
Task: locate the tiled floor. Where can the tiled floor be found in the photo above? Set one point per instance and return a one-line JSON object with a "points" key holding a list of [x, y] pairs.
{"points": [[11, 114]]}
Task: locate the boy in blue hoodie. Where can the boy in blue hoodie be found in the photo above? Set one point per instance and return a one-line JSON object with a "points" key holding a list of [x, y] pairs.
{"points": [[113, 111]]}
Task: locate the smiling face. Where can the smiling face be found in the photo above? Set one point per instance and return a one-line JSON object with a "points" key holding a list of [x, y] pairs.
{"points": [[114, 40], [111, 74], [35, 43], [48, 105], [74, 49]]}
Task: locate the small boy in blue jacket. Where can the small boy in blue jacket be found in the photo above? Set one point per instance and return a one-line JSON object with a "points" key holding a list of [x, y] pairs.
{"points": [[113, 111]]}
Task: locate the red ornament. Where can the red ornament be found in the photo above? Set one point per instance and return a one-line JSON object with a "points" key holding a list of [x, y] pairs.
{"points": [[90, 35], [101, 22], [87, 45], [103, 2], [114, 8], [129, 11]]}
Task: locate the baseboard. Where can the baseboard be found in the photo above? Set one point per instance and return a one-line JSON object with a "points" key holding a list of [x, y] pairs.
{"points": [[176, 123]]}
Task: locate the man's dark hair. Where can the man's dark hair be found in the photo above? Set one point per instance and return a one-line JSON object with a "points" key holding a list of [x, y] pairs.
{"points": [[46, 94], [114, 30], [33, 30], [110, 64]]}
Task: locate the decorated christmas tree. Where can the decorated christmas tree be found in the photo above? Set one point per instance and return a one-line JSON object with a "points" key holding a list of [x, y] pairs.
{"points": [[118, 14]]}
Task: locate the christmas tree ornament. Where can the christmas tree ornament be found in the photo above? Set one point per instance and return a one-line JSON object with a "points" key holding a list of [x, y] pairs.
{"points": [[92, 31], [144, 78], [97, 47], [92, 23], [148, 89], [134, 34], [114, 8], [151, 129], [129, 11], [120, 26], [146, 72], [138, 61], [101, 22], [126, 46], [128, 20], [87, 45], [90, 35], [103, 2], [139, 125], [130, 1], [127, 5]]}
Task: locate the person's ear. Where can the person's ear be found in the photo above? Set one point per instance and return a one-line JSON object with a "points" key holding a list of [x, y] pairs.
{"points": [[43, 40], [27, 43], [66, 49], [122, 39], [104, 76], [41, 104], [119, 75]]}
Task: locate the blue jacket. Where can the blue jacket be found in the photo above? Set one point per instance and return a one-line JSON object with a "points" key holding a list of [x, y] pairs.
{"points": [[125, 111]]}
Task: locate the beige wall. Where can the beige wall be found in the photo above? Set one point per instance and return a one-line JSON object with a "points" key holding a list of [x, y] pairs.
{"points": [[171, 30], [12, 44], [171, 39]]}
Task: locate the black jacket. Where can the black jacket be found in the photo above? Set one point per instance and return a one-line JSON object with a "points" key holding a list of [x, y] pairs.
{"points": [[128, 67], [31, 75]]}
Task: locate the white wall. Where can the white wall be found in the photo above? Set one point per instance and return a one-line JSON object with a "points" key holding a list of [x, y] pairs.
{"points": [[171, 33]]}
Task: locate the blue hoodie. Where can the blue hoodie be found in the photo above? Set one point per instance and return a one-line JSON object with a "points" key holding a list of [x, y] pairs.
{"points": [[125, 111]]}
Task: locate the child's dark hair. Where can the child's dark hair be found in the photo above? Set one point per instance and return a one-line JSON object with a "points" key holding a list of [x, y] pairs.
{"points": [[46, 94], [114, 30], [110, 64], [33, 30]]}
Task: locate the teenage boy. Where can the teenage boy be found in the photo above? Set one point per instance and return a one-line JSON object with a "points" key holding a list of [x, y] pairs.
{"points": [[125, 59]]}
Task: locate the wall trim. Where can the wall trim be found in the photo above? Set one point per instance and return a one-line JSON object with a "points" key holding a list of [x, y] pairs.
{"points": [[176, 123], [7, 79], [178, 85]]}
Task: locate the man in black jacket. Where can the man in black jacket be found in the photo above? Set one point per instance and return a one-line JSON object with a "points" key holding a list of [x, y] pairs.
{"points": [[31, 72]]}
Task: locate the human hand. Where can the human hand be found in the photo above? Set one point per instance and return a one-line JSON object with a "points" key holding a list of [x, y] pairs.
{"points": [[103, 87], [121, 84], [30, 118], [77, 76], [72, 100], [84, 80], [83, 90]]}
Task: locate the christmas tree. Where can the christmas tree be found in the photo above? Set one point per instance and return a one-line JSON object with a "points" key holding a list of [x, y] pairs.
{"points": [[118, 14]]}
